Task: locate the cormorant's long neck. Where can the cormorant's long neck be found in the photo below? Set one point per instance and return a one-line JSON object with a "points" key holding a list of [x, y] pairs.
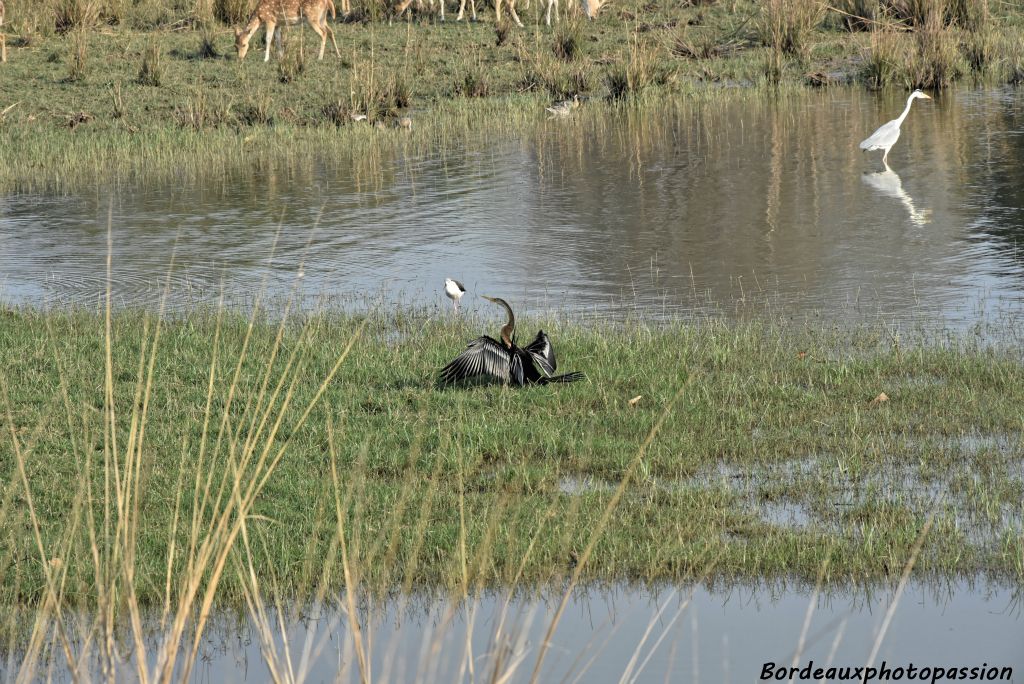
{"points": [[910, 101], [508, 328]]}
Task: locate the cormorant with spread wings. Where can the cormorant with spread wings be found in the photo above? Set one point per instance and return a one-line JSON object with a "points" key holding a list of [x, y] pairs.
{"points": [[504, 361]]}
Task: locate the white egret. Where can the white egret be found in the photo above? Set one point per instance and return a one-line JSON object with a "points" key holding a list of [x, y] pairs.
{"points": [[887, 134], [454, 289]]}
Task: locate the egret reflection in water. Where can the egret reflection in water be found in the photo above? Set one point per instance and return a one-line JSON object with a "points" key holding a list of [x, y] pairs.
{"points": [[888, 183]]}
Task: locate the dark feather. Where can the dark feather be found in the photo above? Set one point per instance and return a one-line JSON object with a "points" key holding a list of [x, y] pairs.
{"points": [[543, 353], [484, 356]]}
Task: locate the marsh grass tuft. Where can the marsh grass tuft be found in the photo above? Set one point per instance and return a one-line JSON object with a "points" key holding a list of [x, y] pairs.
{"points": [[857, 15], [291, 65], [78, 56], [883, 62], [568, 42], [232, 11], [208, 47], [378, 93], [786, 25], [151, 70], [645, 68], [117, 106], [202, 109], [474, 81], [72, 15], [937, 61], [258, 109]]}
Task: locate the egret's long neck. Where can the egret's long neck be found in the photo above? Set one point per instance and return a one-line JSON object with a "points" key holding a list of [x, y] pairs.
{"points": [[910, 101]]}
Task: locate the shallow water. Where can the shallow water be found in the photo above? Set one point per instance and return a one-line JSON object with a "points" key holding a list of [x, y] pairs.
{"points": [[685, 634], [731, 205]]}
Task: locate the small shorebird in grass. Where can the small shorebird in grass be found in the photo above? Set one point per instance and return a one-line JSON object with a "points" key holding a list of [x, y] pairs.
{"points": [[454, 289], [565, 107]]}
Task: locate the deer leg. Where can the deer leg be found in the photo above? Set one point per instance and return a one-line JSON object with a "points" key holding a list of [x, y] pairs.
{"points": [[3, 48], [327, 26], [318, 28], [512, 12], [270, 39]]}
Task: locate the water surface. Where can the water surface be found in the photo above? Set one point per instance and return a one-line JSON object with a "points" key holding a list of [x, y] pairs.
{"points": [[737, 203]]}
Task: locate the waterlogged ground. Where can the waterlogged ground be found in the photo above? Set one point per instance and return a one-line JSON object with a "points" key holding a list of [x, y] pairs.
{"points": [[733, 203]]}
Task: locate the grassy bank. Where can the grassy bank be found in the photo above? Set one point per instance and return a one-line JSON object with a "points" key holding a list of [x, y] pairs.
{"points": [[121, 87], [753, 449]]}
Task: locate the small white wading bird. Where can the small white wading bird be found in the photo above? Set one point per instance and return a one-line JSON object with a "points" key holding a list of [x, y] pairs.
{"points": [[454, 289], [887, 134]]}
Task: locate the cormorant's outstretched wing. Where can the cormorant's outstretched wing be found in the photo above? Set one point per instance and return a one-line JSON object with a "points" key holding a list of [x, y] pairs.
{"points": [[484, 356], [542, 352]]}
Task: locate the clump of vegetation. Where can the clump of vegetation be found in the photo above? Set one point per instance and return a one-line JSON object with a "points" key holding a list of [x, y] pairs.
{"points": [[694, 44], [151, 71], [474, 81], [378, 95], [1014, 66], [201, 111], [291, 65], [207, 47], [857, 15], [118, 109], [644, 69], [936, 62], [882, 62], [258, 110], [232, 11], [568, 42], [71, 15], [78, 56], [786, 25]]}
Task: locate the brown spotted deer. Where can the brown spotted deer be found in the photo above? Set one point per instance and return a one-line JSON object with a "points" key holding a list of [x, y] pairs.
{"points": [[270, 13]]}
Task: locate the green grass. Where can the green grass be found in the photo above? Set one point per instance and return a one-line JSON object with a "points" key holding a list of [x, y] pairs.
{"points": [[166, 102], [767, 416]]}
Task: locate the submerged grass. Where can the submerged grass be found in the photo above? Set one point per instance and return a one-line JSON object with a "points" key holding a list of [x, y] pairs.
{"points": [[226, 417]]}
